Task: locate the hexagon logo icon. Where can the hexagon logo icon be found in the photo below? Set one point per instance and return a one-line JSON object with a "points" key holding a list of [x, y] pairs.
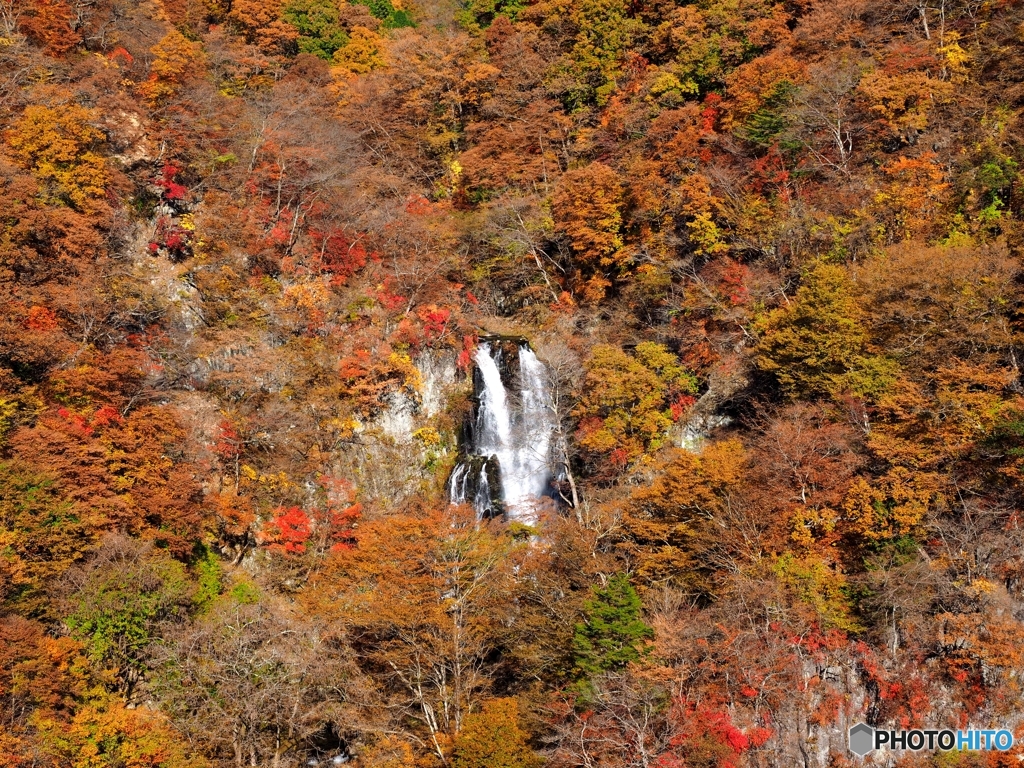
{"points": [[862, 739]]}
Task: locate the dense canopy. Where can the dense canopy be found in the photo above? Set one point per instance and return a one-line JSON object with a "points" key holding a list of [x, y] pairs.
{"points": [[769, 253]]}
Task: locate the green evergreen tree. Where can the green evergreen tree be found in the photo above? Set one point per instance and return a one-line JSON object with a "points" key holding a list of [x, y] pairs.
{"points": [[319, 26], [613, 634], [391, 17]]}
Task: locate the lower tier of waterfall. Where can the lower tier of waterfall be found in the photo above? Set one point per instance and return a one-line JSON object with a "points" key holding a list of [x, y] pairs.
{"points": [[476, 480]]}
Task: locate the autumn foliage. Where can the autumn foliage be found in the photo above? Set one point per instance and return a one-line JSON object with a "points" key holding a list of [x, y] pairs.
{"points": [[769, 254]]}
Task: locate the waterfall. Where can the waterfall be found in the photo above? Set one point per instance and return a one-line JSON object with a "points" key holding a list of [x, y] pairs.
{"points": [[507, 451]]}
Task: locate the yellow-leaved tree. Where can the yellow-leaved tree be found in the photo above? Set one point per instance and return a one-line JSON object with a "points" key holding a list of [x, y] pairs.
{"points": [[814, 345], [493, 738], [59, 145], [628, 402]]}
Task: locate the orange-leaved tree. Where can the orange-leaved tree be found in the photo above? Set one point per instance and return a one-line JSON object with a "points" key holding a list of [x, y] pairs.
{"points": [[419, 595], [587, 208]]}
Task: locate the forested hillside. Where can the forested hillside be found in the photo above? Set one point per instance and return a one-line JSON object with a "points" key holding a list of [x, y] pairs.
{"points": [[768, 255]]}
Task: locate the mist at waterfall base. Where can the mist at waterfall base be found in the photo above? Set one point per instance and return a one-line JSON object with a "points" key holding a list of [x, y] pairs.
{"points": [[506, 463]]}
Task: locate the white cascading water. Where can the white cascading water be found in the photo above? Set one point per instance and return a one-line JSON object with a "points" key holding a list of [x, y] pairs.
{"points": [[537, 417], [517, 434], [494, 422]]}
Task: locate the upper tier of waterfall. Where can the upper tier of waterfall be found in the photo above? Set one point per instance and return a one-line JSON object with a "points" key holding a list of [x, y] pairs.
{"points": [[507, 456]]}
